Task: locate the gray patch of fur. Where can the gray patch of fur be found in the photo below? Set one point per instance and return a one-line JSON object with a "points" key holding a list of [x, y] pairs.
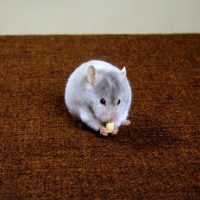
{"points": [[109, 87]]}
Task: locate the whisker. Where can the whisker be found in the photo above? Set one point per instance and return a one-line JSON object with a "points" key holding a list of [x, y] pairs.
{"points": [[134, 116]]}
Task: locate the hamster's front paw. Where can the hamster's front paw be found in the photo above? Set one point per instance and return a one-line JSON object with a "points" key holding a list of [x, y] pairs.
{"points": [[126, 123], [103, 131], [115, 130]]}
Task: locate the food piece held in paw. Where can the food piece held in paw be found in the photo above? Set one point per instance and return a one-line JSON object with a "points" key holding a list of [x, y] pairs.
{"points": [[110, 127]]}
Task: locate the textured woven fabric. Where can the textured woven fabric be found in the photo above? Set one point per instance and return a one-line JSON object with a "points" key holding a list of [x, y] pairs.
{"points": [[46, 154]]}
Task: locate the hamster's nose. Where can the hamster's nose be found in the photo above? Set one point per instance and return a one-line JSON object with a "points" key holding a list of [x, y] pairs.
{"points": [[110, 120]]}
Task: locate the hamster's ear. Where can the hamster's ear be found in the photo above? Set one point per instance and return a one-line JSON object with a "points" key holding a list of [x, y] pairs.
{"points": [[123, 74], [91, 72]]}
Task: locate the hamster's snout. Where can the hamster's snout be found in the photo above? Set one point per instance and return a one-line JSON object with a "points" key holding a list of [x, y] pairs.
{"points": [[108, 117], [110, 120]]}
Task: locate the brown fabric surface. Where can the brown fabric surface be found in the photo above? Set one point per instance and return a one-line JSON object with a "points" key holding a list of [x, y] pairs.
{"points": [[46, 154]]}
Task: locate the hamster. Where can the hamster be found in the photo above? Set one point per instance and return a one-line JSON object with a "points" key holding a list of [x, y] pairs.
{"points": [[98, 92]]}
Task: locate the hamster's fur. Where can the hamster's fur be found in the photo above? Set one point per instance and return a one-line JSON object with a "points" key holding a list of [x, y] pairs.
{"points": [[98, 92]]}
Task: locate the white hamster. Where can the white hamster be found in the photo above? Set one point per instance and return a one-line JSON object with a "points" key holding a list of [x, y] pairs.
{"points": [[98, 92]]}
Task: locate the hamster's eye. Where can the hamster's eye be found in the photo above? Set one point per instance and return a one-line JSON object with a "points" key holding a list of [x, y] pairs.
{"points": [[118, 102], [103, 101]]}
